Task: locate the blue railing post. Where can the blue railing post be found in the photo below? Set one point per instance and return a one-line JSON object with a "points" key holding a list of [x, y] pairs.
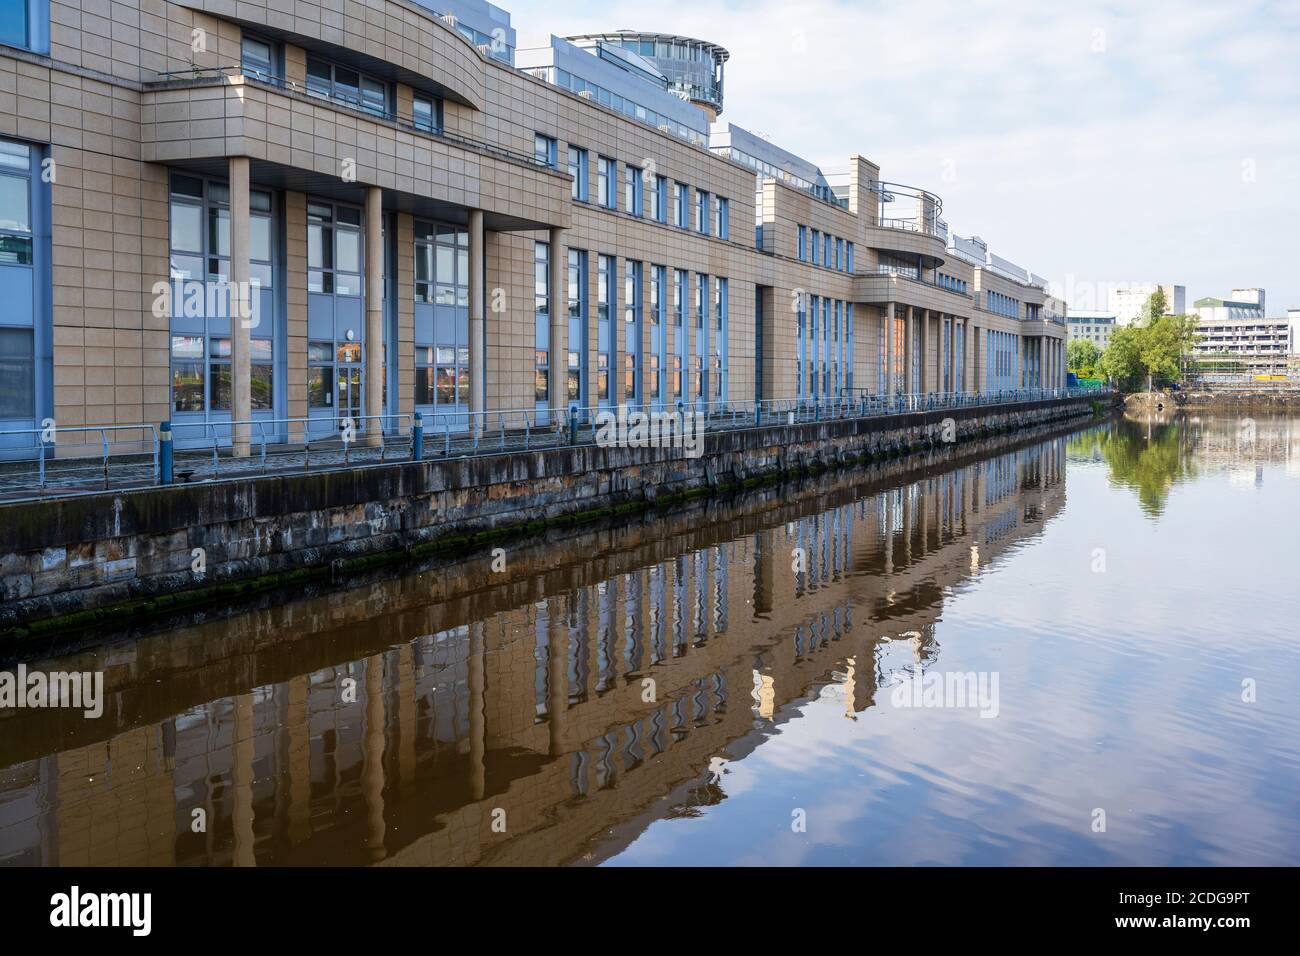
{"points": [[573, 424], [417, 438], [165, 465]]}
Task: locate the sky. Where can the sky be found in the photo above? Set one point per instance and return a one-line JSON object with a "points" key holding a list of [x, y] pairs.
{"points": [[1099, 145]]}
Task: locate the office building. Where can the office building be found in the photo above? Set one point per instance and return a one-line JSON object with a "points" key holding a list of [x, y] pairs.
{"points": [[1092, 326], [403, 212]]}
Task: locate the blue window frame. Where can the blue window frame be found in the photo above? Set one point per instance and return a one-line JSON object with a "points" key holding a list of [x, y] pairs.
{"points": [[544, 150], [681, 205], [634, 190], [26, 24], [258, 58], [578, 170], [607, 182]]}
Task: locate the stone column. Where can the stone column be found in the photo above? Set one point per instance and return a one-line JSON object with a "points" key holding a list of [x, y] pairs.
{"points": [[909, 352], [241, 400], [559, 361], [964, 357], [952, 353], [477, 331], [925, 351], [889, 349], [374, 312]]}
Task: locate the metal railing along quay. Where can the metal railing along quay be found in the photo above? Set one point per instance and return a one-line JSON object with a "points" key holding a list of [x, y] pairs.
{"points": [[36, 463]]}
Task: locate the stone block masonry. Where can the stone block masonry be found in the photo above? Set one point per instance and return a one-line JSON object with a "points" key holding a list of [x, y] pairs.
{"points": [[67, 561]]}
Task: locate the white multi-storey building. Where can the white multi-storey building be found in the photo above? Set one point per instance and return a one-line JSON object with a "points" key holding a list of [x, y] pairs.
{"points": [[1126, 304]]}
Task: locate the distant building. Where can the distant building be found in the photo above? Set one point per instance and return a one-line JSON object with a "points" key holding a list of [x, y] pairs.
{"points": [[1236, 335], [1091, 326], [1126, 304]]}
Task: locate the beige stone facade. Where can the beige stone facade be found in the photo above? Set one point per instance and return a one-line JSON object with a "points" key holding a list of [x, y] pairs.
{"points": [[128, 94]]}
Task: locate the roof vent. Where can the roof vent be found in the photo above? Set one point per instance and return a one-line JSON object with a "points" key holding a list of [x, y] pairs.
{"points": [[587, 95]]}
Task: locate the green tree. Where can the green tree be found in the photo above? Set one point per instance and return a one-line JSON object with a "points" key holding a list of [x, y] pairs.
{"points": [[1081, 355], [1154, 307], [1163, 344], [1121, 362]]}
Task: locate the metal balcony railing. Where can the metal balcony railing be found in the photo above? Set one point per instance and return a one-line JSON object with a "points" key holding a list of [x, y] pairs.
{"points": [[36, 463]]}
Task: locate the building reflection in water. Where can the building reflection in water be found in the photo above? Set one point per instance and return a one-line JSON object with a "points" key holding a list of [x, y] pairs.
{"points": [[547, 719]]}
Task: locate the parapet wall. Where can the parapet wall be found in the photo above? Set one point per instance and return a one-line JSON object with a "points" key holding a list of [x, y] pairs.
{"points": [[70, 556]]}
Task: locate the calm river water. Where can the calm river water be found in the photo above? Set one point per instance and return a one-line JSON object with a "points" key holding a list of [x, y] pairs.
{"points": [[1075, 650]]}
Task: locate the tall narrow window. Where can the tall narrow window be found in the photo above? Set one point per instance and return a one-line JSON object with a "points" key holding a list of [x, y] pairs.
{"points": [[604, 325], [632, 335], [633, 194], [577, 323], [578, 170], [541, 321], [720, 309], [659, 204], [724, 218], [606, 183]]}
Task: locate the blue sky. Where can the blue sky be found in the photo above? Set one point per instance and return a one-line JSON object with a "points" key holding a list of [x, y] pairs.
{"points": [[1098, 144]]}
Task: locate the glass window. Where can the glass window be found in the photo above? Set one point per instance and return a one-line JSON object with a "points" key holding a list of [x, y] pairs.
{"points": [[544, 150], [257, 58], [320, 387], [426, 114], [15, 204], [348, 246], [606, 183], [17, 374], [374, 96], [347, 86], [702, 211], [13, 23], [319, 77], [578, 170]]}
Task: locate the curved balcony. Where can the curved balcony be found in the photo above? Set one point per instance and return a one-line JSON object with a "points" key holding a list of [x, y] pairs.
{"points": [[907, 220], [406, 44]]}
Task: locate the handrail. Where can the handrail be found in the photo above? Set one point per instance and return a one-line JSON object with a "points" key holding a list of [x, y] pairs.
{"points": [[280, 445], [44, 443]]}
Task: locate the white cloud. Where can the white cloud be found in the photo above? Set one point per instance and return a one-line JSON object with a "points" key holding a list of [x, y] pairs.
{"points": [[1101, 142]]}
